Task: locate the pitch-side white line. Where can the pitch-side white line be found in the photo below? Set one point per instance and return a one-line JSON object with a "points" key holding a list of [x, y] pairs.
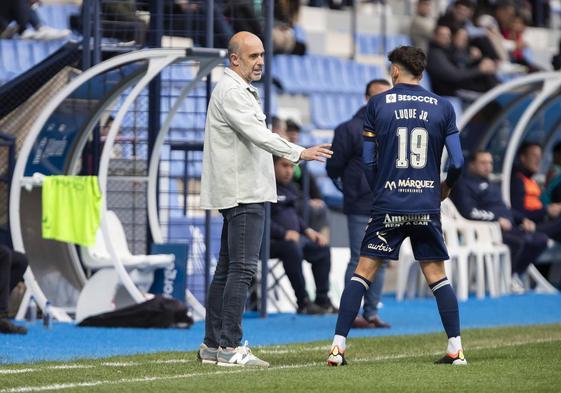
{"points": [[85, 366], [61, 386]]}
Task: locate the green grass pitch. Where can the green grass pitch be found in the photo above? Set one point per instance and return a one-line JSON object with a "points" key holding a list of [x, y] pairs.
{"points": [[516, 359]]}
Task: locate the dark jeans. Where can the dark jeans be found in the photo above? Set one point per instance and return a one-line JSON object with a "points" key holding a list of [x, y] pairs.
{"points": [[15, 10], [551, 228], [525, 248], [240, 243], [292, 255], [12, 267]]}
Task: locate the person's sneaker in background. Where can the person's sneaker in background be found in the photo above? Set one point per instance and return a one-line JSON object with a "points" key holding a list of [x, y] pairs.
{"points": [[239, 357]]}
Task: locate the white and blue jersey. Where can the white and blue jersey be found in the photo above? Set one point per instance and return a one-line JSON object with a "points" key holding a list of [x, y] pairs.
{"points": [[405, 131]]}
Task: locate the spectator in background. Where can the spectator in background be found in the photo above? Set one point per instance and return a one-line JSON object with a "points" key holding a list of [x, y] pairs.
{"points": [[447, 78], [494, 35], [278, 126], [317, 209], [457, 16], [460, 16], [243, 16], [12, 267], [292, 241], [119, 20], [517, 46], [346, 171], [293, 130], [504, 14], [462, 54], [422, 25], [185, 18], [552, 192], [284, 37], [477, 198], [525, 194], [29, 25]]}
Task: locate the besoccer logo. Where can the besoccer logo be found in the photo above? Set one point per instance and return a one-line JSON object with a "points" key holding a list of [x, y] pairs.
{"points": [[391, 98]]}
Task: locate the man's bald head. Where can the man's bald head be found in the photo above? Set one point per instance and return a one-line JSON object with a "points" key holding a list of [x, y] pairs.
{"points": [[239, 40], [246, 54]]}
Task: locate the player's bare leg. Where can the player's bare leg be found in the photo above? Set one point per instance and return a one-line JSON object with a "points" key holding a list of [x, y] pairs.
{"points": [[448, 308]]}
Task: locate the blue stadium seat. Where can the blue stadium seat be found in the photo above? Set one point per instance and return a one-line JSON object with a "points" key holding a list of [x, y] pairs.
{"points": [[393, 41], [57, 15], [330, 110], [9, 56], [369, 44]]}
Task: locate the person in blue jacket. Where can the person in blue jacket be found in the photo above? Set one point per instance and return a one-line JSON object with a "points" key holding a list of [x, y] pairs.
{"points": [[346, 170], [477, 198]]}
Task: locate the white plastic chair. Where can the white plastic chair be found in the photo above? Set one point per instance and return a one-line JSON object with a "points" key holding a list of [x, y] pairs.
{"points": [[459, 253], [490, 256], [101, 292]]}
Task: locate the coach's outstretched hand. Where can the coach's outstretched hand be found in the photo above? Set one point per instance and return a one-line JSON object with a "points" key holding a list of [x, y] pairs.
{"points": [[444, 191], [317, 153]]}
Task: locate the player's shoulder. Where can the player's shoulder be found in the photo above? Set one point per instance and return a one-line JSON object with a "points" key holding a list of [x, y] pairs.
{"points": [[441, 101]]}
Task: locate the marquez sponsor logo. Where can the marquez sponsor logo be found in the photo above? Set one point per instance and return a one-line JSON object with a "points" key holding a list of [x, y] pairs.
{"points": [[409, 185]]}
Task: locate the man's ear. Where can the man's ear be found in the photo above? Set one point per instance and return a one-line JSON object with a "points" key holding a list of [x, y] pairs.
{"points": [[234, 59]]}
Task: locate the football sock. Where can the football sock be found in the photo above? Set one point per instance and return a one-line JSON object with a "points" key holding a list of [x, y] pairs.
{"points": [[339, 341], [350, 304], [454, 345], [447, 306]]}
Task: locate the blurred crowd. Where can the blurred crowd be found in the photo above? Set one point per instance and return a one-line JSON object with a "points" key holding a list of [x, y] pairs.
{"points": [[473, 45]]}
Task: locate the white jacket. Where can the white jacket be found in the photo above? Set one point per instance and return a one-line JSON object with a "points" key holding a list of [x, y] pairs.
{"points": [[237, 157]]}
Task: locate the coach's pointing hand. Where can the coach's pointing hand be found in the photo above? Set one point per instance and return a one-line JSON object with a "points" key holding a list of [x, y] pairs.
{"points": [[318, 153]]}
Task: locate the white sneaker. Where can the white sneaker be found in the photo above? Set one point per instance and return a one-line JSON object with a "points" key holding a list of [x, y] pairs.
{"points": [[239, 357], [50, 33], [516, 285]]}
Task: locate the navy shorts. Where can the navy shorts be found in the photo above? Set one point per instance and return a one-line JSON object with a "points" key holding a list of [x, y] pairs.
{"points": [[386, 231]]}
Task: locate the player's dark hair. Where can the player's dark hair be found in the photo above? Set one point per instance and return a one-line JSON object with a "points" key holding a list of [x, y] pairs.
{"points": [[525, 146], [465, 3], [291, 125], [275, 122], [376, 82], [411, 58], [473, 156]]}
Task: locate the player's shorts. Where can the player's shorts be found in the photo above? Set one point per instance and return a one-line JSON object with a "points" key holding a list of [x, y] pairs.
{"points": [[385, 233]]}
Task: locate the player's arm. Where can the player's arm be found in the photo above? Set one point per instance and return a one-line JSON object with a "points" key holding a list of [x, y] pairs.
{"points": [[370, 156], [455, 164], [370, 144]]}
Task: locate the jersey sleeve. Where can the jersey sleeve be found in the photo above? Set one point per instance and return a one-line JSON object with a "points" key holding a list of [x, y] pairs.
{"points": [[451, 127], [369, 131]]}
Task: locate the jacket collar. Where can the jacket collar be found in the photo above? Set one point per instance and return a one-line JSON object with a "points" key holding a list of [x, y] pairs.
{"points": [[239, 80]]}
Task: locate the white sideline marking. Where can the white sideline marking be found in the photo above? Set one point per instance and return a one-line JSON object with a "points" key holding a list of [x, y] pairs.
{"points": [[26, 389], [86, 366], [297, 350]]}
